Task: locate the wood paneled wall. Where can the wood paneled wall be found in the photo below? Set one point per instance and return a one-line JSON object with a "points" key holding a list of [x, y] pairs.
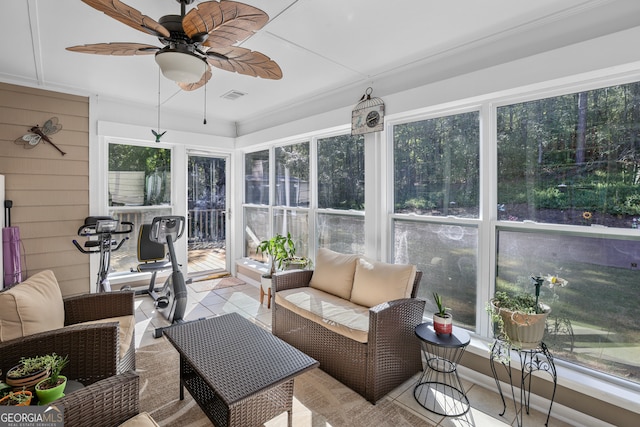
{"points": [[50, 192]]}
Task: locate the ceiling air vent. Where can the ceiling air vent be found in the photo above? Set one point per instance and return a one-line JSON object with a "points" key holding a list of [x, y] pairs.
{"points": [[233, 95]]}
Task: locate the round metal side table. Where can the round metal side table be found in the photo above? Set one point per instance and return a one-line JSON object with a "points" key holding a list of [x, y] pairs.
{"points": [[439, 389]]}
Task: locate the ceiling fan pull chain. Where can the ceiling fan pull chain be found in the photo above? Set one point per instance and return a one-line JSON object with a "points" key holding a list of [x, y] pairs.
{"points": [[204, 122], [157, 134], [158, 128]]}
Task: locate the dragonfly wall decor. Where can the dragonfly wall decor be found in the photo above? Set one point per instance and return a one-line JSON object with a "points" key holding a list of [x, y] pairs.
{"points": [[38, 134]]}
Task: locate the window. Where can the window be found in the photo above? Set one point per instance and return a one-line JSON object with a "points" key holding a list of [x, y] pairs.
{"points": [[291, 213], [436, 166], [341, 233], [571, 159], [337, 223], [256, 169], [292, 175], [139, 190], [446, 255], [595, 319], [569, 166], [436, 173], [341, 172], [256, 229], [341, 187]]}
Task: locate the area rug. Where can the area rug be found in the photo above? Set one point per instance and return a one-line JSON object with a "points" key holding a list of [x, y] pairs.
{"points": [[210, 285], [319, 400]]}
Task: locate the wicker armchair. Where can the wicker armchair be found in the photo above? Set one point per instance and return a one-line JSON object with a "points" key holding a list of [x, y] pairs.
{"points": [[93, 349], [389, 357], [106, 403]]}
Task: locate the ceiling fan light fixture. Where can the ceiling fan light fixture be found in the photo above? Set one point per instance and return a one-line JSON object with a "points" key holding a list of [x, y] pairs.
{"points": [[180, 66]]}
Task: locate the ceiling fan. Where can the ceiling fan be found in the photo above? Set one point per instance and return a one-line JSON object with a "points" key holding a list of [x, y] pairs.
{"points": [[204, 36]]}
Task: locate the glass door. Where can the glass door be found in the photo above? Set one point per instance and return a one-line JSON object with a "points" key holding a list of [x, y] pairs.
{"points": [[207, 215]]}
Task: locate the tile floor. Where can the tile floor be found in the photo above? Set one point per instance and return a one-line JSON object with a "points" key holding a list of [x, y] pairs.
{"points": [[244, 299]]}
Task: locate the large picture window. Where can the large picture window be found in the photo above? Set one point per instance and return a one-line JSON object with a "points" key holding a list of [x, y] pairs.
{"points": [[572, 159], [568, 185]]}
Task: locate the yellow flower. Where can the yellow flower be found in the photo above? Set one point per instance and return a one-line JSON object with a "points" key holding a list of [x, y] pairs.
{"points": [[587, 215], [555, 281]]}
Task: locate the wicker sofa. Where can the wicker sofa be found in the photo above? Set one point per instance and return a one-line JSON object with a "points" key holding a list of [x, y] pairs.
{"points": [[357, 317]]}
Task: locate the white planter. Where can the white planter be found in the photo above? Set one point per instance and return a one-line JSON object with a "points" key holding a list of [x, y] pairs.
{"points": [[525, 331], [265, 289]]}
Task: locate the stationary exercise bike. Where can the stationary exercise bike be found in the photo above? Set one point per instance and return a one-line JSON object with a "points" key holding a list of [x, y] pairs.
{"points": [[104, 228], [171, 298]]}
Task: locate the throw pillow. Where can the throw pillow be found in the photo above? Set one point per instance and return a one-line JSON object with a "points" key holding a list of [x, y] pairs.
{"points": [[333, 272], [377, 282], [32, 306]]}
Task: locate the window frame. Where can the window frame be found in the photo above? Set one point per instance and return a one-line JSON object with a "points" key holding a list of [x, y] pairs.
{"points": [[379, 208]]}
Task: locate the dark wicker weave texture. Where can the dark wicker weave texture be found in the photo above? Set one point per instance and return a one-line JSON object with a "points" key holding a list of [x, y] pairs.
{"points": [[103, 305], [239, 374], [390, 357], [93, 350], [106, 403]]}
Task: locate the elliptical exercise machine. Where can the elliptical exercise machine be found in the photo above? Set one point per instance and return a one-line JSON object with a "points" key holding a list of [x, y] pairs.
{"points": [[104, 228], [171, 299]]}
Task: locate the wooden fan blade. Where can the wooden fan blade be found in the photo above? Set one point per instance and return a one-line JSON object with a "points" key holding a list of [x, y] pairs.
{"points": [[119, 49], [226, 23], [244, 61], [129, 16], [193, 86]]}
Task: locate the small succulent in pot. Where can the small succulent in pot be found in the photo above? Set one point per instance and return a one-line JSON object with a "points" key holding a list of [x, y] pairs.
{"points": [[442, 319]]}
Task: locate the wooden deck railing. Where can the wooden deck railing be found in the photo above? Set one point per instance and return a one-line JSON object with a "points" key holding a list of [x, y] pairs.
{"points": [[206, 225]]}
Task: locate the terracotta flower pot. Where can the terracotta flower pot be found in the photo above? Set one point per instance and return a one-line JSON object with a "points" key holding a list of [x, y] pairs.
{"points": [[6, 401]]}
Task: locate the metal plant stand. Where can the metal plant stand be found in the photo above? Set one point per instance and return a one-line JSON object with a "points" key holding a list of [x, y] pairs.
{"points": [[531, 360], [439, 389]]}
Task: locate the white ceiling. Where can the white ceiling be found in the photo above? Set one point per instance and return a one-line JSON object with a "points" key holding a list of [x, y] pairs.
{"points": [[330, 51]]}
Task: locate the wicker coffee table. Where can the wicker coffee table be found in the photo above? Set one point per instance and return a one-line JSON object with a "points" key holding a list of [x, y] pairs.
{"points": [[240, 374]]}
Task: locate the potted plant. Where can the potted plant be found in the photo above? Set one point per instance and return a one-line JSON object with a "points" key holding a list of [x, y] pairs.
{"points": [[442, 319], [17, 398], [297, 263], [278, 248], [52, 388], [29, 372], [521, 319]]}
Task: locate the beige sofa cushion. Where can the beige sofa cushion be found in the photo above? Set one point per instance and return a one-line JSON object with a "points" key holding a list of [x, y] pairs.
{"points": [[377, 282], [334, 313], [333, 272], [32, 306], [125, 331]]}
